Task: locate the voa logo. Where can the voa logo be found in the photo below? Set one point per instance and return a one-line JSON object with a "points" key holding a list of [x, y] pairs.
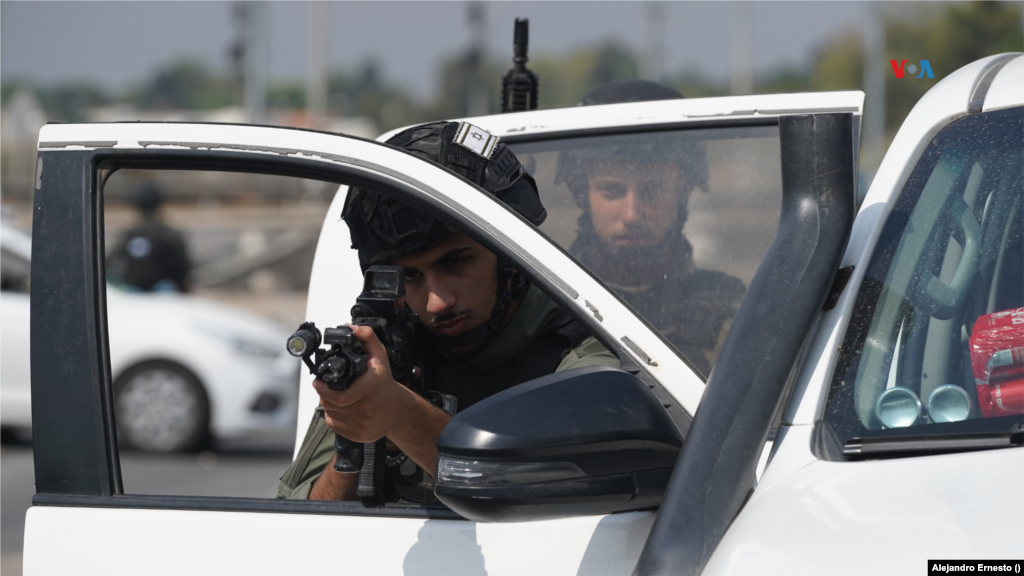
{"points": [[901, 66]]}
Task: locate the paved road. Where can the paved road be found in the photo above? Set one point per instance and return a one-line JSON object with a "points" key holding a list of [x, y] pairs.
{"points": [[235, 471]]}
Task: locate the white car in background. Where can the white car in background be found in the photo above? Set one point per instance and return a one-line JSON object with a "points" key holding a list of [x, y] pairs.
{"points": [[185, 369]]}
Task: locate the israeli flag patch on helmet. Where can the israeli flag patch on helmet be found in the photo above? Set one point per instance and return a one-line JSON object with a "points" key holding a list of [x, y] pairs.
{"points": [[476, 139]]}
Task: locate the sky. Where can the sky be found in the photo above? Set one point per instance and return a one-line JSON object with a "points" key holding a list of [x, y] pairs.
{"points": [[118, 44]]}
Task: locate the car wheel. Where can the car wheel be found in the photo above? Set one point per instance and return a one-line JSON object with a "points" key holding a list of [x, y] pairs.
{"points": [[161, 407]]}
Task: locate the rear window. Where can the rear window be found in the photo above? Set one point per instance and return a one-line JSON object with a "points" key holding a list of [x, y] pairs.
{"points": [[676, 222]]}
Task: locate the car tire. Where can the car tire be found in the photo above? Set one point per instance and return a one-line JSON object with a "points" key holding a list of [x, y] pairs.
{"points": [[161, 407]]}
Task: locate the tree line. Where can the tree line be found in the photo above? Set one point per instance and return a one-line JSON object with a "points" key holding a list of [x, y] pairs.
{"points": [[948, 35]]}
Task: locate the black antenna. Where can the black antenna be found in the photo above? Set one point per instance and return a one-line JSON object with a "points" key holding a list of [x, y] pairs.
{"points": [[519, 85]]}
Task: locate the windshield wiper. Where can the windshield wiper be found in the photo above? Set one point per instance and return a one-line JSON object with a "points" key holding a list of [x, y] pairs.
{"points": [[943, 442]]}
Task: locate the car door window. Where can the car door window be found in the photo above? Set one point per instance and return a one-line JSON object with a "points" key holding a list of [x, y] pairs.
{"points": [[936, 341], [14, 272], [207, 274], [675, 221]]}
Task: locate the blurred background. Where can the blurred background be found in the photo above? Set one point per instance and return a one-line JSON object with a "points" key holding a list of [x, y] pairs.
{"points": [[363, 68]]}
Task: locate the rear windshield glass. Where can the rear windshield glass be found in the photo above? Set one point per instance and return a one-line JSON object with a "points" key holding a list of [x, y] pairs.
{"points": [[676, 222]]}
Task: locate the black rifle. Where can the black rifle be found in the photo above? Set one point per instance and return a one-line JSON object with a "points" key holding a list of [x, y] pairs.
{"points": [[378, 308], [519, 85]]}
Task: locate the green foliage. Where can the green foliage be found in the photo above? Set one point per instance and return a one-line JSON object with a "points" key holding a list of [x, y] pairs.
{"points": [[563, 82], [948, 39], [456, 75], [840, 65], [693, 84], [949, 36], [64, 102], [289, 95], [565, 79], [365, 94], [786, 80], [68, 102], [184, 85]]}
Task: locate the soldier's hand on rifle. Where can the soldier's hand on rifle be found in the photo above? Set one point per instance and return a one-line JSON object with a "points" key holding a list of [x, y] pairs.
{"points": [[375, 406]]}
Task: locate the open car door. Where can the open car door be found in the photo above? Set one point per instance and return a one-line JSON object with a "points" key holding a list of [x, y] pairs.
{"points": [[102, 527]]}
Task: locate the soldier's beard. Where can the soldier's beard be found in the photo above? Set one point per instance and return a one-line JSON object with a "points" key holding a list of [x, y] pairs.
{"points": [[630, 265]]}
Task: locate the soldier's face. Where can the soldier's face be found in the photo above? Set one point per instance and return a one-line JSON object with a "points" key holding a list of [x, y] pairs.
{"points": [[634, 205], [452, 284]]}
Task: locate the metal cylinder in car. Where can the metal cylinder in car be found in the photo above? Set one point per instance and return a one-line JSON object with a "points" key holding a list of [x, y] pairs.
{"points": [[949, 403], [898, 407]]}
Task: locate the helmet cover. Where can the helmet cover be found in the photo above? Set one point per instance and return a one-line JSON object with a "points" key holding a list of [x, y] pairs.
{"points": [[384, 228]]}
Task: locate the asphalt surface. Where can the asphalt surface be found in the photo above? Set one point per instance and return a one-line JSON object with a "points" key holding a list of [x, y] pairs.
{"points": [[244, 471]]}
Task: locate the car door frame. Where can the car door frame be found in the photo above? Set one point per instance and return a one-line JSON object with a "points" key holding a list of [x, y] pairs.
{"points": [[76, 459], [77, 465]]}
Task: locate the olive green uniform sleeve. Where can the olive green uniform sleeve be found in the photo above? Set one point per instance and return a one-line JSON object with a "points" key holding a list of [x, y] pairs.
{"points": [[318, 445], [590, 352], [316, 451]]}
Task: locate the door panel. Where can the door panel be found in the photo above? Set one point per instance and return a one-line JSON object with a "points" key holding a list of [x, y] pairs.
{"points": [[118, 541]]}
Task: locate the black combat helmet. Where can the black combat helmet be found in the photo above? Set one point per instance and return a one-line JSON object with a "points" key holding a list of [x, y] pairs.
{"points": [[384, 228]]}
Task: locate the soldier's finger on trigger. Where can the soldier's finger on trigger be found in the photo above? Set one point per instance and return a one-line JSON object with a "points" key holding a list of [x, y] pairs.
{"points": [[368, 337]]}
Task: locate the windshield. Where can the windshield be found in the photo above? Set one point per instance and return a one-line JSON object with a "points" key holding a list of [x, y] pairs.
{"points": [[936, 341], [675, 222]]}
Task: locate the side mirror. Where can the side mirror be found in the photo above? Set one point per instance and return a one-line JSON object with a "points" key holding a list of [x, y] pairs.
{"points": [[576, 443]]}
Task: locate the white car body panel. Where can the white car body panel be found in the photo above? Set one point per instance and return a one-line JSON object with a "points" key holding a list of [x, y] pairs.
{"points": [[599, 544], [902, 511], [896, 514], [1006, 87], [253, 543]]}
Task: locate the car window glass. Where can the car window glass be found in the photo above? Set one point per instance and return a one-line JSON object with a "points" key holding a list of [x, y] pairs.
{"points": [[937, 334], [676, 222], [207, 275], [14, 272]]}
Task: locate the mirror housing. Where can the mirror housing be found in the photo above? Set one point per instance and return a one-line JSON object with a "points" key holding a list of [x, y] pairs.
{"points": [[587, 441]]}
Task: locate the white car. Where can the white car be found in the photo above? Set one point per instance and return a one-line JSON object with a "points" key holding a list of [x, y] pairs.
{"points": [[857, 340], [185, 369]]}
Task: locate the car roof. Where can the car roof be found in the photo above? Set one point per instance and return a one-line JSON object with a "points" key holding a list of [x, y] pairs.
{"points": [[1007, 87], [637, 114]]}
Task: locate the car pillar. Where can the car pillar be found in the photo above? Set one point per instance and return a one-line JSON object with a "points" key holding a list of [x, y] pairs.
{"points": [[715, 473]]}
